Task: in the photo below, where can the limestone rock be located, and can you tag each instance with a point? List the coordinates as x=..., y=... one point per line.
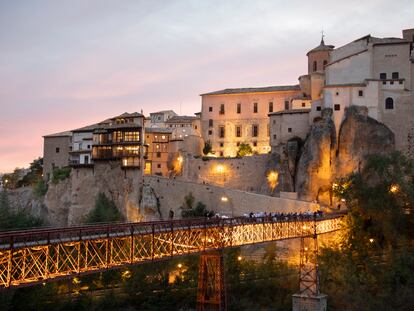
x=314, y=167
x=149, y=204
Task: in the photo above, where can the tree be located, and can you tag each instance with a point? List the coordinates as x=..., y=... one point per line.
x=371, y=267
x=244, y=150
x=104, y=210
x=207, y=147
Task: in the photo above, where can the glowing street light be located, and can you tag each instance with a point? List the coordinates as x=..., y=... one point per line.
x=179, y=266
x=394, y=188
x=371, y=240
x=224, y=199
x=239, y=258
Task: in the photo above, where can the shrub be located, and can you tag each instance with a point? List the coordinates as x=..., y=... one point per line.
x=199, y=211
x=40, y=188
x=60, y=174
x=244, y=150
x=207, y=147
x=104, y=210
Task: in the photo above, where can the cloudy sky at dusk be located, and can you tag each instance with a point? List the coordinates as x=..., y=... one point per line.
x=65, y=64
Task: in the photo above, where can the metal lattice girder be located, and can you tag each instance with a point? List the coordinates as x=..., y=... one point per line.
x=32, y=256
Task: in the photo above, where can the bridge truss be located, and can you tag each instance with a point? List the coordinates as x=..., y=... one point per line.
x=35, y=256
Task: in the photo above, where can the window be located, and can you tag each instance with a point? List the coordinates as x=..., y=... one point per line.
x=159, y=165
x=389, y=103
x=314, y=65
x=57, y=149
x=221, y=109
x=131, y=136
x=325, y=62
x=255, y=131
x=360, y=93
x=221, y=132
x=210, y=122
x=274, y=136
x=238, y=131
x=337, y=107
x=158, y=154
x=238, y=108
x=221, y=144
x=318, y=108
x=286, y=105
x=238, y=144
x=337, y=93
x=210, y=132
x=255, y=144
x=270, y=106
x=221, y=154
x=303, y=104
x=255, y=107
x=210, y=109
x=383, y=76
x=395, y=75
x=289, y=130
x=391, y=82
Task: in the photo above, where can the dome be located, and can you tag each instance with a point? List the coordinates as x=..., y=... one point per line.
x=321, y=47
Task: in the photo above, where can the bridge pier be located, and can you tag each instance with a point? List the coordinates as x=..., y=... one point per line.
x=211, y=292
x=309, y=297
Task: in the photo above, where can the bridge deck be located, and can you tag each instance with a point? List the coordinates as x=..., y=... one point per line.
x=33, y=256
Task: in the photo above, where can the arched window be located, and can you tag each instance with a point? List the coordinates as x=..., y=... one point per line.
x=314, y=66
x=389, y=103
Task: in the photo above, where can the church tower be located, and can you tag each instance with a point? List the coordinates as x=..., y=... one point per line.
x=319, y=57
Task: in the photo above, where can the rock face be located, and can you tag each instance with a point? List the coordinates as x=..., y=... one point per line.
x=71, y=199
x=325, y=158
x=314, y=169
x=150, y=204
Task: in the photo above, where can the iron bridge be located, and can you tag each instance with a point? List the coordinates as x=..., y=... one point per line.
x=38, y=255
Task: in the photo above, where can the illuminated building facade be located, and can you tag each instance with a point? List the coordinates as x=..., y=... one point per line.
x=120, y=139
x=157, y=141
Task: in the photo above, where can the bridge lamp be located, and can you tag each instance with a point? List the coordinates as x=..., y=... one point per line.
x=179, y=266
x=305, y=227
x=76, y=281
x=239, y=258
x=126, y=274
x=394, y=188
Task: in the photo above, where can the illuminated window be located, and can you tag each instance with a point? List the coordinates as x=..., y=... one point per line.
x=270, y=106
x=255, y=108
x=117, y=135
x=255, y=130
x=238, y=131
x=238, y=108
x=132, y=136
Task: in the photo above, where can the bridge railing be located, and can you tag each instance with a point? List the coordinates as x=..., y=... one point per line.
x=32, y=256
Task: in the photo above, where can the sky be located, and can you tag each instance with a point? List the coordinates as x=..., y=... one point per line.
x=65, y=64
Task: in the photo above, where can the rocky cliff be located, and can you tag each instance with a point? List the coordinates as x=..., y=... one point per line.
x=325, y=157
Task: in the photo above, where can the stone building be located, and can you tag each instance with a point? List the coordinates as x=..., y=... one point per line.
x=184, y=126
x=56, y=148
x=377, y=73
x=288, y=124
x=159, y=118
x=233, y=116
x=157, y=141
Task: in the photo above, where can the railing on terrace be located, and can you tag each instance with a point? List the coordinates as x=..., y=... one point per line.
x=37, y=255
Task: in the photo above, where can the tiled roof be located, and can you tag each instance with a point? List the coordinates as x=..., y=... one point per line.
x=129, y=115
x=61, y=134
x=177, y=119
x=266, y=89
x=158, y=130
x=321, y=47
x=163, y=111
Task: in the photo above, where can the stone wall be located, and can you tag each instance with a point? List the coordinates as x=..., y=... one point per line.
x=171, y=194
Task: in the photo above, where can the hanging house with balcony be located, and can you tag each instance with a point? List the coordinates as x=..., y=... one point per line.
x=120, y=139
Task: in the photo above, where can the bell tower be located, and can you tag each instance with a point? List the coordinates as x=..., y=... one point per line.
x=319, y=57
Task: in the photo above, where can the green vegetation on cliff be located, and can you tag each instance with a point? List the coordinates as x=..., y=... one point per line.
x=104, y=210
